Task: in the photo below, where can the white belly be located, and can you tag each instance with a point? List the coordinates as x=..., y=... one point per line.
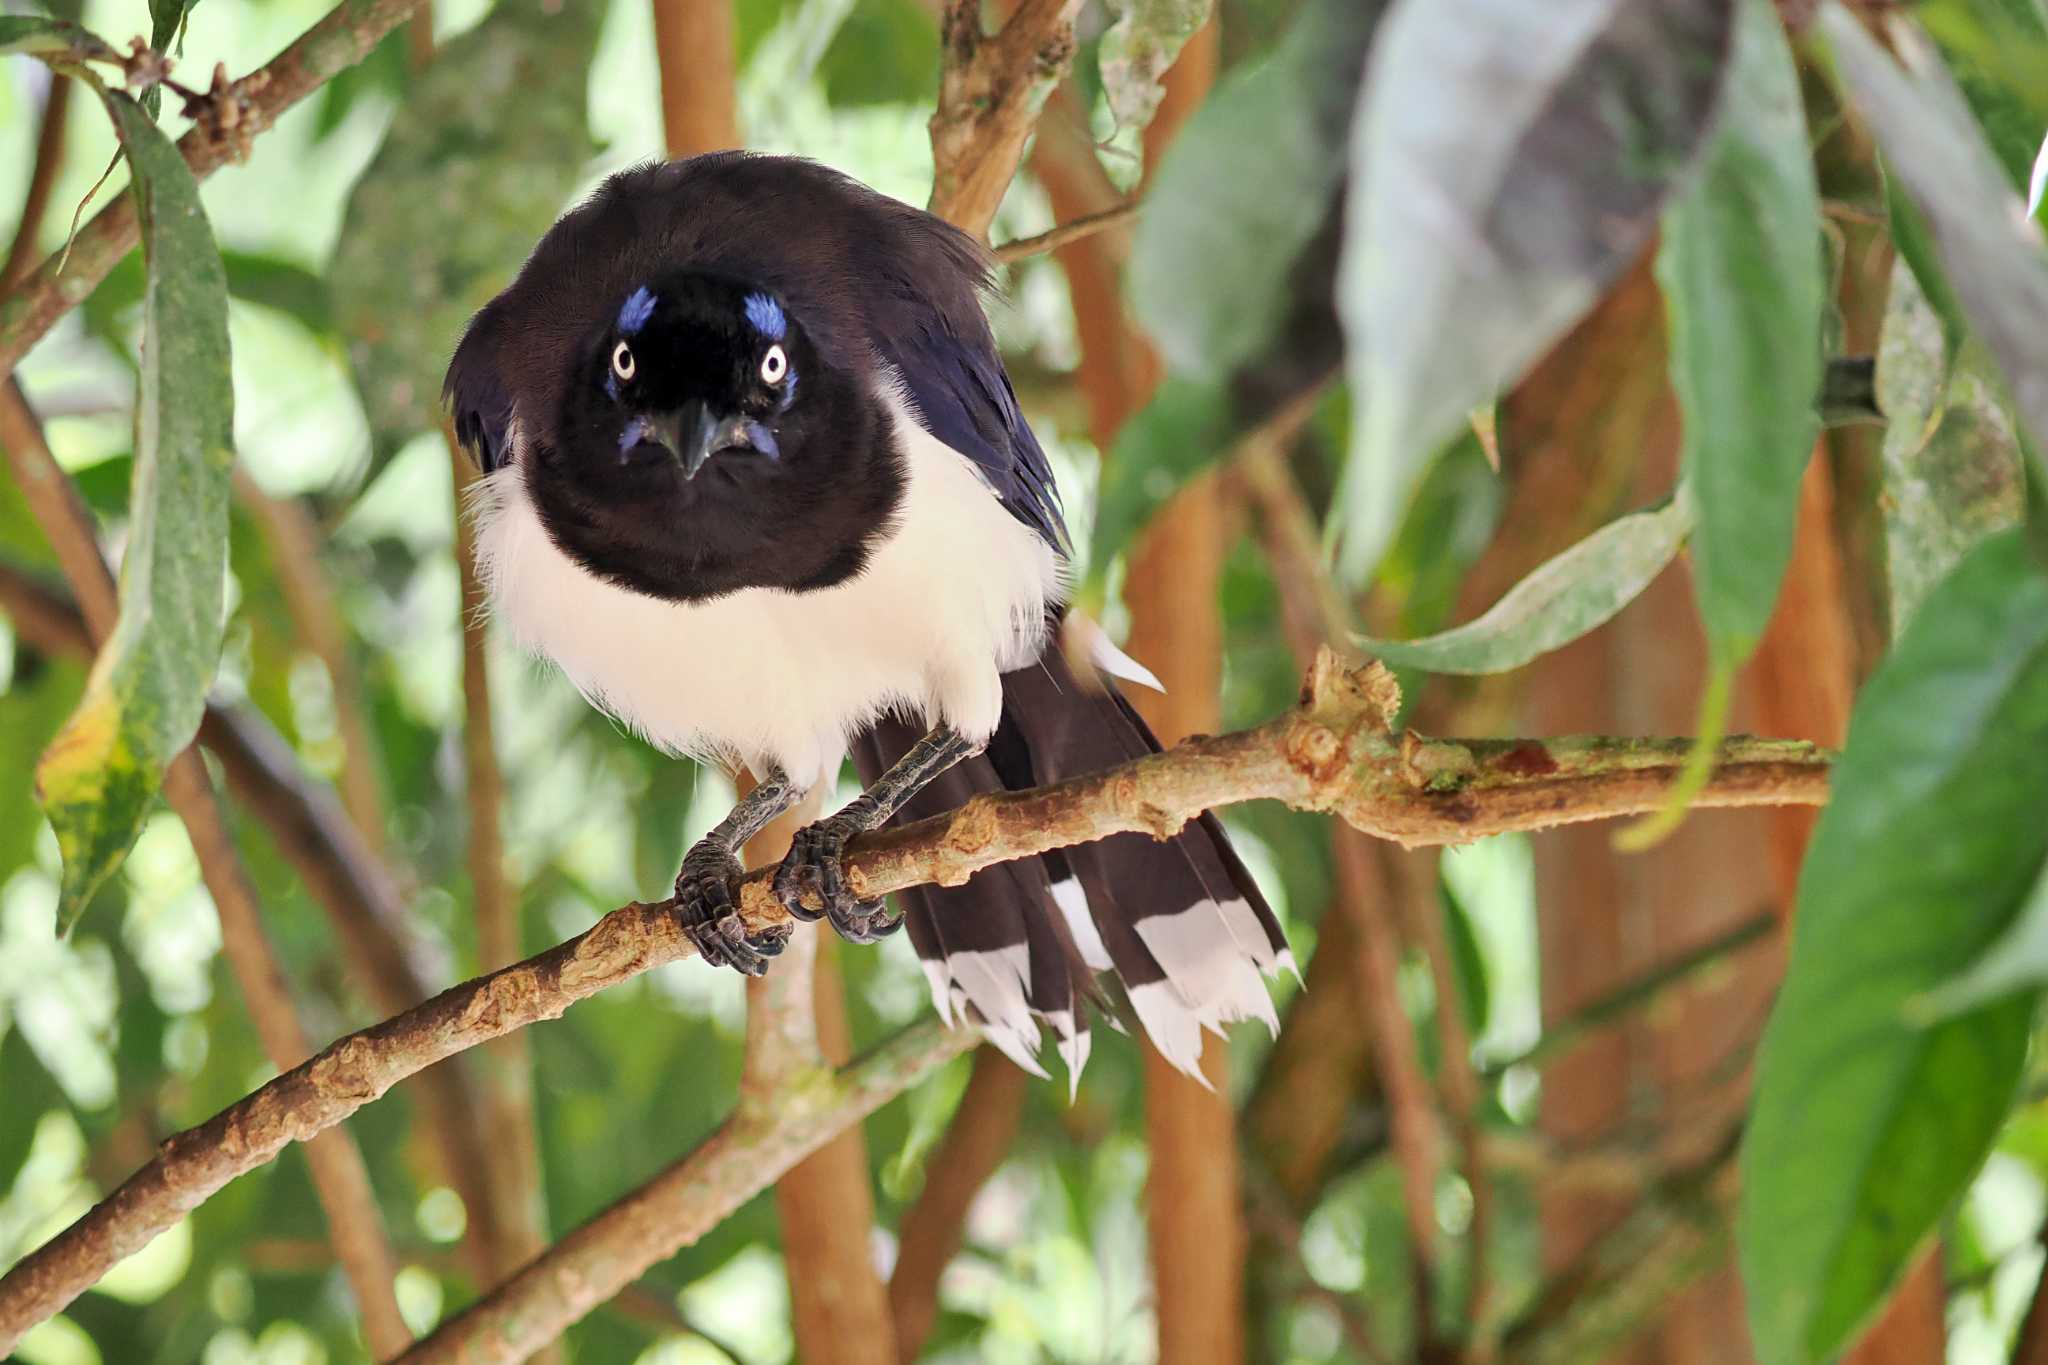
x=955, y=597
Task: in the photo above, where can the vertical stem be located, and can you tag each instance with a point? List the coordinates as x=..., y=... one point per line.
x=21, y=254
x=340, y=1179
x=513, y=1157
x=693, y=40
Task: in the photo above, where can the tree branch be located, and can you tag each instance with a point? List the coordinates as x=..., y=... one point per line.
x=1076, y=230
x=42, y=180
x=340, y=40
x=990, y=91
x=1332, y=753
x=340, y=1179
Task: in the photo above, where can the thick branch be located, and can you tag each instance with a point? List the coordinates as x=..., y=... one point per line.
x=990, y=92
x=1331, y=753
x=331, y=46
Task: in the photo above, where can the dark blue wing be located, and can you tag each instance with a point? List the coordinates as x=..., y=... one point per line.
x=965, y=399
x=476, y=394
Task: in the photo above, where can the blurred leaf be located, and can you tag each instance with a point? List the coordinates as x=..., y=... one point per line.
x=1184, y=428
x=387, y=71
x=148, y=687
x=1916, y=247
x=38, y=36
x=1250, y=180
x=2017, y=961
x=886, y=52
x=1953, y=470
x=1508, y=162
x=1865, y=1128
x=166, y=17
x=1468, y=961
x=1138, y=49
x=1744, y=283
x=30, y=1094
x=477, y=165
x=44, y=691
x=1997, y=50
x=1559, y=601
x=1988, y=249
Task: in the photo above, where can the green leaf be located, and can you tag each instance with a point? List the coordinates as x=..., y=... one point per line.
x=1745, y=284
x=1559, y=601
x=479, y=162
x=1952, y=468
x=886, y=52
x=147, y=689
x=1182, y=429
x=1990, y=252
x=43, y=693
x=1916, y=247
x=1866, y=1128
x=2017, y=961
x=40, y=37
x=1997, y=50
x=1138, y=49
x=1252, y=179
x=1508, y=161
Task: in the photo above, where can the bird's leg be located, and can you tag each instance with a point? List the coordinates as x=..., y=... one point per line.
x=707, y=888
x=813, y=862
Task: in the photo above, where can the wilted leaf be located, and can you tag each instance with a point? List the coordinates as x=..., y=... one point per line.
x=1952, y=463
x=1744, y=285
x=1989, y=250
x=1251, y=180
x=1866, y=1128
x=147, y=689
x=1138, y=49
x=1508, y=161
x=1557, y=603
x=478, y=163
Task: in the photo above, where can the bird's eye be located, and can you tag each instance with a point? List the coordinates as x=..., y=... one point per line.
x=623, y=364
x=774, y=366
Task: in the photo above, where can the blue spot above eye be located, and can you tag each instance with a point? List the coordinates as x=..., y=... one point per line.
x=638, y=307
x=766, y=316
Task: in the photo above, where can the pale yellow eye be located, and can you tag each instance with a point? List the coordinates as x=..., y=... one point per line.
x=623, y=364
x=774, y=365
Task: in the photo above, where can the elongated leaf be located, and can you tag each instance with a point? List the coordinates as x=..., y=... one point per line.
x=1509, y=160
x=1247, y=186
x=1137, y=50
x=147, y=689
x=1997, y=50
x=2017, y=962
x=1744, y=283
x=1953, y=471
x=1865, y=1127
x=40, y=37
x=1561, y=600
x=1990, y=251
x=478, y=163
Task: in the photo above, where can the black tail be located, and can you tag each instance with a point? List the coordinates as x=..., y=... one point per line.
x=1179, y=923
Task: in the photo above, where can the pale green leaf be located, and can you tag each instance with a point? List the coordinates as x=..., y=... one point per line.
x=1138, y=49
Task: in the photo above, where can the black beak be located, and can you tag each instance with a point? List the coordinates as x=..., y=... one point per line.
x=694, y=433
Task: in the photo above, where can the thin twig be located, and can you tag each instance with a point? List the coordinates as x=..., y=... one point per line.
x=340, y=1179
x=513, y=1165
x=1079, y=229
x=338, y=41
x=1330, y=754
x=42, y=181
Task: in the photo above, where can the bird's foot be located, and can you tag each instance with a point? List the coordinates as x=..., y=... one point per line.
x=813, y=867
x=707, y=903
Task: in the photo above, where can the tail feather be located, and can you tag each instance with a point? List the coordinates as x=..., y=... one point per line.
x=1178, y=924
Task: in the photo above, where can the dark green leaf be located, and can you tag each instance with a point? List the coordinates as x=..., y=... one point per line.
x=1559, y=601
x=42, y=695
x=1916, y=247
x=1138, y=49
x=1866, y=1128
x=1184, y=428
x=1997, y=51
x=1508, y=162
x=886, y=52
x=1250, y=180
x=478, y=163
x=1988, y=249
x=148, y=687
x=1745, y=283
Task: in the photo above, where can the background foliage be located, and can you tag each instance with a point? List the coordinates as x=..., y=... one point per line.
x=1641, y=365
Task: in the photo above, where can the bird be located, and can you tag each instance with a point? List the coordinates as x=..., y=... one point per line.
x=754, y=479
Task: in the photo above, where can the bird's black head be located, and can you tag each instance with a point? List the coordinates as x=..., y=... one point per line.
x=704, y=444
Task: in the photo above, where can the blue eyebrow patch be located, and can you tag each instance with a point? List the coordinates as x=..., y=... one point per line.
x=634, y=312
x=766, y=316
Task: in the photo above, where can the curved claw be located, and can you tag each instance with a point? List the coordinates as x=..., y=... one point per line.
x=812, y=867
x=709, y=910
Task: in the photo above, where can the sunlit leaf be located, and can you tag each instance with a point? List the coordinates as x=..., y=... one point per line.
x=1744, y=285
x=147, y=689
x=1865, y=1126
x=1952, y=464
x=480, y=160
x=1248, y=184
x=1509, y=159
x=1138, y=49
x=1557, y=603
x=1989, y=250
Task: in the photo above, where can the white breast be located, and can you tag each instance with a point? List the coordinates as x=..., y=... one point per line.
x=955, y=597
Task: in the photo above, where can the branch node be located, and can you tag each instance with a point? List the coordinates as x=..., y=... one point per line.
x=1436, y=766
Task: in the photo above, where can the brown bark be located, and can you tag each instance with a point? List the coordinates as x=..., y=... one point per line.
x=930, y=1232
x=990, y=91
x=694, y=42
x=42, y=181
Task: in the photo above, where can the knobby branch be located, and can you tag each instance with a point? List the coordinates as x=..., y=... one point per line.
x=1334, y=752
